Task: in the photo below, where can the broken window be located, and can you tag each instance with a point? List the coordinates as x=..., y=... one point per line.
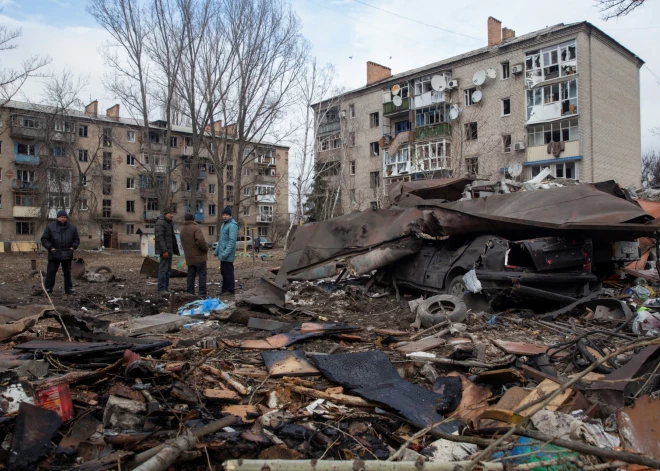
x=130, y=160
x=552, y=62
x=107, y=185
x=130, y=229
x=506, y=106
x=467, y=95
x=433, y=156
x=352, y=167
x=374, y=149
x=351, y=138
x=83, y=156
x=335, y=142
x=107, y=137
x=107, y=161
x=106, y=208
x=351, y=111
x=429, y=115
x=506, y=71
x=559, y=170
x=83, y=206
x=471, y=133
x=401, y=126
x=325, y=144
x=374, y=179
x=506, y=143
x=374, y=204
x=373, y=119
x=82, y=131
x=542, y=134
x=130, y=183
x=565, y=93
x=398, y=163
x=230, y=173
x=472, y=165
x=423, y=85
x=130, y=206
x=174, y=141
x=130, y=136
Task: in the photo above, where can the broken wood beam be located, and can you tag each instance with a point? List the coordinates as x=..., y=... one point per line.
x=240, y=388
x=154, y=460
x=336, y=398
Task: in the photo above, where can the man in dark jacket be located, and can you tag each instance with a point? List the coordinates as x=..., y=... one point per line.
x=166, y=247
x=196, y=251
x=60, y=239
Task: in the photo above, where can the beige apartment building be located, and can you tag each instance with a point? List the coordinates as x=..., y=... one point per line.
x=566, y=98
x=43, y=154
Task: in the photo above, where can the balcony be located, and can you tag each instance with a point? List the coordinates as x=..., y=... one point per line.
x=199, y=217
x=155, y=147
x=24, y=159
x=265, y=179
x=539, y=153
x=151, y=215
x=270, y=199
x=187, y=172
x=327, y=128
x=201, y=193
x=433, y=131
x=391, y=109
x=264, y=218
x=24, y=186
x=63, y=136
x=147, y=192
x=26, y=211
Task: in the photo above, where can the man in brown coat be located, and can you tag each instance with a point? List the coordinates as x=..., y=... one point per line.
x=195, y=250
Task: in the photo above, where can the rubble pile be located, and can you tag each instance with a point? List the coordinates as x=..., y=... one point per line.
x=502, y=333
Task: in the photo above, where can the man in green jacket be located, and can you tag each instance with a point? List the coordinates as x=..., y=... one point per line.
x=226, y=251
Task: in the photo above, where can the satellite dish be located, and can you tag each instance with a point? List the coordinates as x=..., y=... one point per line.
x=438, y=83
x=453, y=112
x=395, y=89
x=479, y=77
x=515, y=169
x=491, y=73
x=477, y=96
x=397, y=100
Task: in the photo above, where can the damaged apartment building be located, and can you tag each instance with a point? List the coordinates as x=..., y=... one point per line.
x=566, y=97
x=96, y=166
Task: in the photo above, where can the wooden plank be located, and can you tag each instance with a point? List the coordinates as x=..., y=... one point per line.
x=544, y=389
x=422, y=345
x=158, y=324
x=520, y=348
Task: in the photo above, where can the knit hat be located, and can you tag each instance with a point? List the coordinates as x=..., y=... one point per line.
x=227, y=210
x=61, y=213
x=169, y=210
x=189, y=217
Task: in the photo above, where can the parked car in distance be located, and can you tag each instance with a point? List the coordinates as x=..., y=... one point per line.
x=240, y=243
x=555, y=269
x=266, y=243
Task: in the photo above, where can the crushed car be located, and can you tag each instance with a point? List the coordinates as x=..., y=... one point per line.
x=556, y=269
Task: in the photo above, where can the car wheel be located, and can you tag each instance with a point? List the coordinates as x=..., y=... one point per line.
x=439, y=308
x=457, y=287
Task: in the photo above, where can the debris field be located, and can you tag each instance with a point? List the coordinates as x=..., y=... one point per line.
x=471, y=325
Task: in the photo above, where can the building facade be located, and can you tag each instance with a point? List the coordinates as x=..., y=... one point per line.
x=97, y=167
x=566, y=97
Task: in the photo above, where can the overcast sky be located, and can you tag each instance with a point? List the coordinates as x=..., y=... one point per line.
x=341, y=29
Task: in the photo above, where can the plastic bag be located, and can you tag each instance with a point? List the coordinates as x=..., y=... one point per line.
x=646, y=323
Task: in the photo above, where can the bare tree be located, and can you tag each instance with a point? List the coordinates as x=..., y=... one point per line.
x=269, y=53
x=312, y=87
x=131, y=79
x=11, y=80
x=614, y=9
x=651, y=168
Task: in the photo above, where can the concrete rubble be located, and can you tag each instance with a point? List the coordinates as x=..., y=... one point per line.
x=502, y=325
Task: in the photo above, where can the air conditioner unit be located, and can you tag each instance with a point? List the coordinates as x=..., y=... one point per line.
x=517, y=69
x=343, y=113
x=452, y=84
x=518, y=146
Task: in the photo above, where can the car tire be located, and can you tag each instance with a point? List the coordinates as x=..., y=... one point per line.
x=457, y=287
x=103, y=269
x=439, y=308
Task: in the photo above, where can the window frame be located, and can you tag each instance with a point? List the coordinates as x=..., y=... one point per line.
x=502, y=107
x=374, y=119
x=352, y=167
x=130, y=136
x=470, y=133
x=472, y=163
x=130, y=206
x=467, y=95
x=506, y=137
x=505, y=66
